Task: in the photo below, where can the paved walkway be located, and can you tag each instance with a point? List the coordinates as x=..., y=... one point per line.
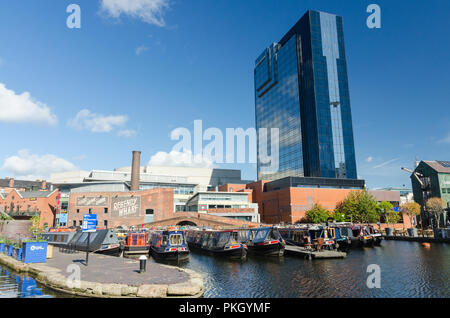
x=116, y=270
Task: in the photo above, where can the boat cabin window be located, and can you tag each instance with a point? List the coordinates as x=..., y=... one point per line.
x=243, y=236
x=176, y=239
x=164, y=240
x=274, y=235
x=261, y=235
x=223, y=239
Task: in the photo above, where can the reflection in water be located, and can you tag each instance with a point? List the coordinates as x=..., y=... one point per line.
x=407, y=270
x=16, y=286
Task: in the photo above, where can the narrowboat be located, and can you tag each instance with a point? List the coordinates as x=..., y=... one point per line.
x=342, y=236
x=224, y=243
x=59, y=237
x=377, y=237
x=264, y=241
x=102, y=242
x=169, y=245
x=314, y=237
x=360, y=237
x=136, y=243
x=322, y=237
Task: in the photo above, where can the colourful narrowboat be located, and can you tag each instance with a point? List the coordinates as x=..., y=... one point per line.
x=169, y=245
x=136, y=243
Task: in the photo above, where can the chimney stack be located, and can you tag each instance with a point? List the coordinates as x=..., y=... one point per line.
x=136, y=171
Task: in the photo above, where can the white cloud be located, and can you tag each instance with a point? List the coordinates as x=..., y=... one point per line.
x=29, y=166
x=386, y=163
x=141, y=49
x=126, y=133
x=149, y=11
x=96, y=123
x=15, y=108
x=180, y=159
x=370, y=159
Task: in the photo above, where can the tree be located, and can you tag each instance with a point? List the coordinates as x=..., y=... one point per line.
x=411, y=209
x=317, y=214
x=338, y=217
x=436, y=206
x=36, y=229
x=392, y=217
x=359, y=206
x=383, y=208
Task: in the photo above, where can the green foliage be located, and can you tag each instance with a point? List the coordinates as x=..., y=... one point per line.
x=338, y=217
x=359, y=206
x=392, y=217
x=384, y=207
x=317, y=214
x=5, y=217
x=36, y=229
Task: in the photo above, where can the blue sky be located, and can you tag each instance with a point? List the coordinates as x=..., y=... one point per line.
x=132, y=77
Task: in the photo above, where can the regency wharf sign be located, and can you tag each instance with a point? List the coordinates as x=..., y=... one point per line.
x=126, y=206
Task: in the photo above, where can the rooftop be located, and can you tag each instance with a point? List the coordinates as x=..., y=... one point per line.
x=439, y=166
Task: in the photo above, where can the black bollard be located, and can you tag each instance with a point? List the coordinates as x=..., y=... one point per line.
x=143, y=264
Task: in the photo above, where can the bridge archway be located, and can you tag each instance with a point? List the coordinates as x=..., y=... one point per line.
x=186, y=223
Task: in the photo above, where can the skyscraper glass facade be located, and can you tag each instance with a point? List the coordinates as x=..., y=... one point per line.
x=301, y=88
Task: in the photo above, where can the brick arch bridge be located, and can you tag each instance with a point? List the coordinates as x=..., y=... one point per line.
x=202, y=219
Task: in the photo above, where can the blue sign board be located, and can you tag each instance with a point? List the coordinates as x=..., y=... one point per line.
x=89, y=222
x=63, y=218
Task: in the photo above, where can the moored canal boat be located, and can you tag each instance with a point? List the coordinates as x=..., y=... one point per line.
x=264, y=241
x=59, y=237
x=360, y=237
x=219, y=243
x=342, y=236
x=169, y=245
x=102, y=241
x=136, y=243
x=377, y=236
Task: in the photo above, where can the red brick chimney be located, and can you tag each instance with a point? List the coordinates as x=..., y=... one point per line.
x=136, y=171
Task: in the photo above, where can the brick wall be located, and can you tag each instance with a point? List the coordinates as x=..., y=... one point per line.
x=158, y=200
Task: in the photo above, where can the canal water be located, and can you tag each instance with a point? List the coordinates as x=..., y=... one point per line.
x=407, y=270
x=14, y=285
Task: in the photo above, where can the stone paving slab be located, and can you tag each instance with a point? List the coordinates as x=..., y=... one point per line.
x=116, y=270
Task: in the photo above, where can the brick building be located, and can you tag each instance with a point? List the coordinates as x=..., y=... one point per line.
x=113, y=209
x=8, y=184
x=23, y=205
x=287, y=200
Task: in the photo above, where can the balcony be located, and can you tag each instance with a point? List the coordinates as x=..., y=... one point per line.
x=23, y=213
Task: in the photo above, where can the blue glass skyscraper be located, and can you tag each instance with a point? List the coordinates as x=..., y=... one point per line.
x=301, y=88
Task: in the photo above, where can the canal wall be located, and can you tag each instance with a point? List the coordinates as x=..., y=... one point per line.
x=15, y=229
x=55, y=279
